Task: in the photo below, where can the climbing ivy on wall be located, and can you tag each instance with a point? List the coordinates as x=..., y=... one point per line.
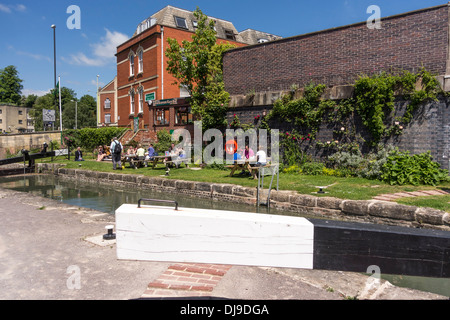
x=373, y=101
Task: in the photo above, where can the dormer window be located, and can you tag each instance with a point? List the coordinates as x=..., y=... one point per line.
x=229, y=34
x=262, y=40
x=195, y=24
x=180, y=22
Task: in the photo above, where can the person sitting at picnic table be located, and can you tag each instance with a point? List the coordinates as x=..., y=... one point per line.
x=248, y=152
x=151, y=152
x=171, y=154
x=261, y=158
x=140, y=153
x=237, y=156
x=130, y=151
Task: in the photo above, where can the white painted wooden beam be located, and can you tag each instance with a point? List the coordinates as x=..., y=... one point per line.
x=155, y=233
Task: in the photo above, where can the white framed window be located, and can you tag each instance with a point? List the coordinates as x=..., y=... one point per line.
x=141, y=100
x=107, y=118
x=140, y=61
x=262, y=40
x=131, y=102
x=184, y=92
x=107, y=103
x=131, y=57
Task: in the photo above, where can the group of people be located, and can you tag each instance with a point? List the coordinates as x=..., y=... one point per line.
x=174, y=154
x=260, y=159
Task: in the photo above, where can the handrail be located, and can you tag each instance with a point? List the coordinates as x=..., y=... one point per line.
x=158, y=200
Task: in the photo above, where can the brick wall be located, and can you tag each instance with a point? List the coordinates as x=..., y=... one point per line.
x=337, y=56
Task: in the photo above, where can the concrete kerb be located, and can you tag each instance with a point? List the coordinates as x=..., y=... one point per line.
x=328, y=207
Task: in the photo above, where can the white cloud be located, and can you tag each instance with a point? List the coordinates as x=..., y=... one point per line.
x=10, y=8
x=94, y=83
x=106, y=48
x=34, y=56
x=5, y=8
x=21, y=7
x=81, y=59
x=39, y=93
x=103, y=51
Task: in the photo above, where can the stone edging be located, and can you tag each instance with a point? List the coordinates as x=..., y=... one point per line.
x=374, y=211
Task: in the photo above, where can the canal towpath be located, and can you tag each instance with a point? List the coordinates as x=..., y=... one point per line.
x=54, y=251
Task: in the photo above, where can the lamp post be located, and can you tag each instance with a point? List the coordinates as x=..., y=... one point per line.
x=54, y=66
x=76, y=114
x=98, y=104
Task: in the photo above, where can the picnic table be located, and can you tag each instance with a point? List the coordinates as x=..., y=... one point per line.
x=246, y=166
x=133, y=160
x=156, y=159
x=169, y=160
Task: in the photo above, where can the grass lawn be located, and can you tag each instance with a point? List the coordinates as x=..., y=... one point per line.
x=436, y=202
x=343, y=188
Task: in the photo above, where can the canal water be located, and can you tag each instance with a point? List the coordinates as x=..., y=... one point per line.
x=107, y=199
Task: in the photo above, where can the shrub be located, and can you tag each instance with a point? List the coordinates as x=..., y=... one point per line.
x=401, y=168
x=293, y=169
x=347, y=162
x=164, y=141
x=376, y=160
x=312, y=168
x=91, y=138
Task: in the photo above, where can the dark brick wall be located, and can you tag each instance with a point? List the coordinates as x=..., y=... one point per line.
x=337, y=56
x=428, y=131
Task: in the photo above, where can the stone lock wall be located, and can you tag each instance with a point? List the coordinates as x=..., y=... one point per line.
x=371, y=211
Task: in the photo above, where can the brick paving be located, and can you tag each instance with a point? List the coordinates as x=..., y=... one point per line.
x=395, y=196
x=186, y=280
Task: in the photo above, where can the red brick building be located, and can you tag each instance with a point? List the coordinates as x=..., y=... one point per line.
x=337, y=56
x=142, y=95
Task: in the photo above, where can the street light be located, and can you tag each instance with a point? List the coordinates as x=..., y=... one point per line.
x=54, y=64
x=76, y=114
x=98, y=104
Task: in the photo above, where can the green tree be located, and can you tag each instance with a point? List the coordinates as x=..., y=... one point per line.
x=10, y=85
x=28, y=101
x=48, y=102
x=85, y=110
x=44, y=102
x=197, y=66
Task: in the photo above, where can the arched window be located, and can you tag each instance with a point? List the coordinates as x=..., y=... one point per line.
x=141, y=99
x=131, y=58
x=140, y=55
x=131, y=101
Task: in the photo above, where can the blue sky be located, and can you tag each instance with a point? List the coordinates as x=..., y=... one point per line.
x=26, y=39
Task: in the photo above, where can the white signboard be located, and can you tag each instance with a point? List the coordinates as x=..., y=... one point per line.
x=48, y=115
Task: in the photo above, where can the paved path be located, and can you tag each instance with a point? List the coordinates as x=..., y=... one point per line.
x=395, y=196
x=53, y=251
